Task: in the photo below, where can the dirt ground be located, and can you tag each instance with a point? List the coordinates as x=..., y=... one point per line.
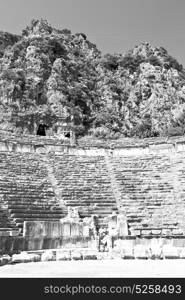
x=97, y=268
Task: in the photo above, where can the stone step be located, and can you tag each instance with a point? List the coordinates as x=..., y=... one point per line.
x=20, y=221
x=38, y=216
x=99, y=202
x=36, y=207
x=35, y=210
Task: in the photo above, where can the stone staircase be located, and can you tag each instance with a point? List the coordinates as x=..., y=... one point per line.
x=150, y=188
x=50, y=171
x=83, y=182
x=114, y=183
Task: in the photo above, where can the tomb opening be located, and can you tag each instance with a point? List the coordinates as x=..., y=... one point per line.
x=42, y=129
x=67, y=135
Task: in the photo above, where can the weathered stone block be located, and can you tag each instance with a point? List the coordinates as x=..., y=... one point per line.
x=89, y=254
x=34, y=244
x=19, y=244
x=52, y=229
x=76, y=255
x=1, y=262
x=141, y=252
x=166, y=232
x=75, y=229
x=182, y=253
x=39, y=229
x=177, y=232
x=85, y=231
x=145, y=232
x=48, y=255
x=34, y=257
x=4, y=233
x=50, y=243
x=117, y=245
x=156, y=232
x=63, y=255
x=135, y=232
x=155, y=252
x=5, y=259
x=179, y=242
x=101, y=255
x=170, y=252
x=122, y=225
x=6, y=244
x=66, y=229
x=125, y=248
x=128, y=253
x=92, y=244
x=14, y=232
x=23, y=257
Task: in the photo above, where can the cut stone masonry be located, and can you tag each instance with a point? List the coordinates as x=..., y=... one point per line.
x=51, y=177
x=114, y=184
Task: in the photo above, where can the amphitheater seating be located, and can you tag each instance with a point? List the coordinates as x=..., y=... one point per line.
x=26, y=190
x=26, y=139
x=91, y=142
x=84, y=182
x=5, y=220
x=152, y=187
x=153, y=191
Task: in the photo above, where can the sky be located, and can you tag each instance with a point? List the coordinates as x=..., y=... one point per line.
x=115, y=26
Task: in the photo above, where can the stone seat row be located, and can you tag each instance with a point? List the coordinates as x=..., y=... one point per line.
x=29, y=196
x=148, y=184
x=84, y=182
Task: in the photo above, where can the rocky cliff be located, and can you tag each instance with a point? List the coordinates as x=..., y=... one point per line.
x=7, y=40
x=47, y=74
x=145, y=92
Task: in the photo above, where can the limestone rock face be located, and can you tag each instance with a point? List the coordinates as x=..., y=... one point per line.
x=42, y=73
x=37, y=27
x=7, y=39
x=48, y=75
x=144, y=94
